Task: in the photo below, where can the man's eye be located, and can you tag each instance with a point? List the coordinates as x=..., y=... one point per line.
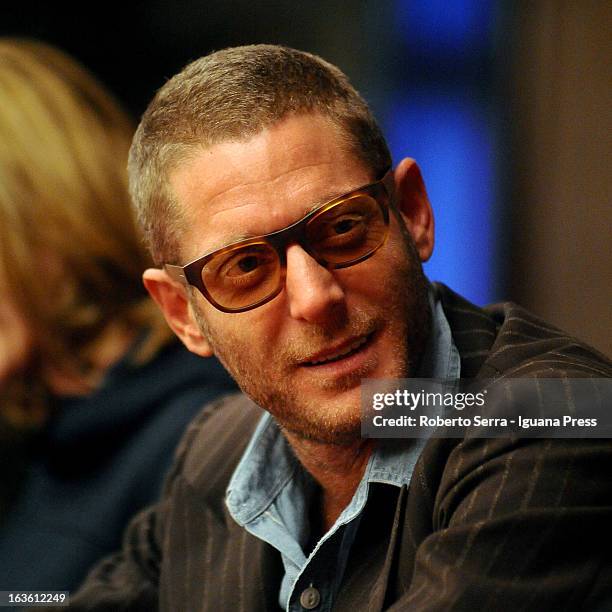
x=343, y=228
x=242, y=265
x=245, y=264
x=344, y=225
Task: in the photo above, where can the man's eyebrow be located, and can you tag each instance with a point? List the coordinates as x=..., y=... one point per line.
x=232, y=239
x=330, y=196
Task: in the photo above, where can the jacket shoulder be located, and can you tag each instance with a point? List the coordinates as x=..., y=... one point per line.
x=214, y=443
x=506, y=340
x=527, y=346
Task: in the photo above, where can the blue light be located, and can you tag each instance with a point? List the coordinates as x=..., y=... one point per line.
x=444, y=26
x=453, y=145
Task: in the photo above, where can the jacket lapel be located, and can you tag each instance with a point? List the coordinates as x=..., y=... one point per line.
x=259, y=574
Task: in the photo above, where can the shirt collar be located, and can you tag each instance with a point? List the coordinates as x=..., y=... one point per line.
x=441, y=357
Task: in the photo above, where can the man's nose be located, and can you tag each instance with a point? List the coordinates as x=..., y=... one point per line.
x=312, y=290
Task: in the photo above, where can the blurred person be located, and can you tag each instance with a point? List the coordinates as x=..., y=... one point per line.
x=94, y=388
x=288, y=245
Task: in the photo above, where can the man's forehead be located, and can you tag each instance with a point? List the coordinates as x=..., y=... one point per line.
x=238, y=188
x=301, y=136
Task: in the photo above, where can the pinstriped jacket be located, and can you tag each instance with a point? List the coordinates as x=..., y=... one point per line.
x=486, y=524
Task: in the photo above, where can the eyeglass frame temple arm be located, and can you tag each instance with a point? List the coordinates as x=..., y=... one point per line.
x=176, y=273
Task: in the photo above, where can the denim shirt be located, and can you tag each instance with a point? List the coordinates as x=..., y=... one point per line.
x=270, y=492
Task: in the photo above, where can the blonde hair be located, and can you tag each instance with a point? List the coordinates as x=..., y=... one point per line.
x=231, y=95
x=69, y=250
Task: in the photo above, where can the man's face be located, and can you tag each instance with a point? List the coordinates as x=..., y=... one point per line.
x=303, y=354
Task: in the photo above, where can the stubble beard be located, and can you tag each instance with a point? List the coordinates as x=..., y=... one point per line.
x=408, y=318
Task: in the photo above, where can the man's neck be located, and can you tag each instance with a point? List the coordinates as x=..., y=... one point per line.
x=337, y=468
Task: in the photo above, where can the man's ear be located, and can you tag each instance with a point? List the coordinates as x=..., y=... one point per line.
x=171, y=297
x=413, y=204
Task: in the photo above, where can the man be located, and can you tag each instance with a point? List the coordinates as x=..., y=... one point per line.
x=289, y=249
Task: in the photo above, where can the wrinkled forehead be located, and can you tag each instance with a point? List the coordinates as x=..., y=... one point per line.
x=238, y=189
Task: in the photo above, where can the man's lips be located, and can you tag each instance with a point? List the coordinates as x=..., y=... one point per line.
x=338, y=352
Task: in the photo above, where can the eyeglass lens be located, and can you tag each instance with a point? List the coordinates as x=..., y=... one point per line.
x=338, y=236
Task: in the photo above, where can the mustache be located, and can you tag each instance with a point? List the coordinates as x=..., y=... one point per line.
x=317, y=338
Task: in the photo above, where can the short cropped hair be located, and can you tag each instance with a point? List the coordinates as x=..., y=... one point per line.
x=233, y=94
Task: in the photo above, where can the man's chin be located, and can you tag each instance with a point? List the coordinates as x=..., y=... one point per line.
x=338, y=431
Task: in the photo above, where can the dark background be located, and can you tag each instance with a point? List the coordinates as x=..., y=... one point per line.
x=505, y=105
